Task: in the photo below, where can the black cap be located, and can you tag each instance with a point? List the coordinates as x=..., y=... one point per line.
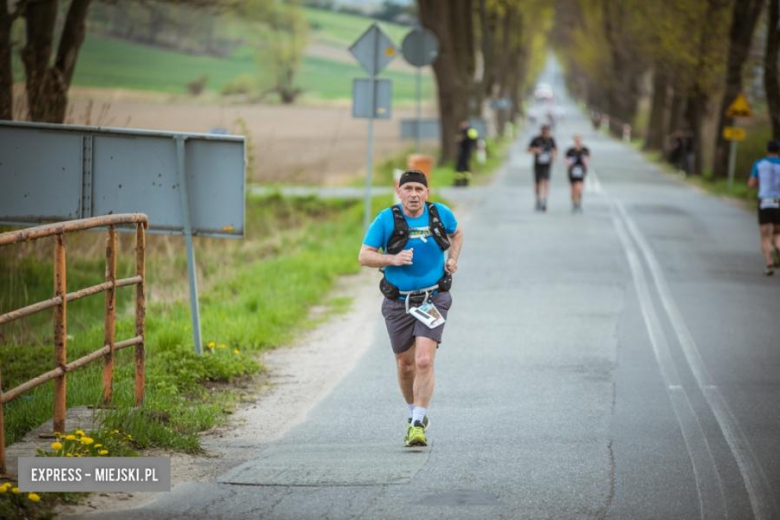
x=773, y=146
x=413, y=176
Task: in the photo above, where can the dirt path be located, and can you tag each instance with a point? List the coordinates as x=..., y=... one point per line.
x=299, y=144
x=297, y=378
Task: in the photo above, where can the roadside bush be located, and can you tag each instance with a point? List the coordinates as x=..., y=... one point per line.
x=243, y=84
x=197, y=85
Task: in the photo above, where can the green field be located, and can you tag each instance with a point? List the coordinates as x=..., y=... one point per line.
x=111, y=63
x=343, y=29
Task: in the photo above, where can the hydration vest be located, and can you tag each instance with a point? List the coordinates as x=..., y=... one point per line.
x=400, y=237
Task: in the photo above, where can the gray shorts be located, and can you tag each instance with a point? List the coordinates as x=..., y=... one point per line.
x=403, y=327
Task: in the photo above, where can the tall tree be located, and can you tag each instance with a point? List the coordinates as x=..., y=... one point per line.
x=744, y=18
x=453, y=24
x=771, y=74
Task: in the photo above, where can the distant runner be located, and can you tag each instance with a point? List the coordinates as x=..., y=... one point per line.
x=766, y=176
x=467, y=140
x=577, y=158
x=416, y=284
x=544, y=149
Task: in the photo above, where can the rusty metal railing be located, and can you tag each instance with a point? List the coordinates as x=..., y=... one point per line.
x=60, y=302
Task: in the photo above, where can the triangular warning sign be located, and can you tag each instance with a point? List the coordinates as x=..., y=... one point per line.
x=739, y=107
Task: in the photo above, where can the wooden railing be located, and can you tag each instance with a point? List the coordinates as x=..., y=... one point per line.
x=60, y=302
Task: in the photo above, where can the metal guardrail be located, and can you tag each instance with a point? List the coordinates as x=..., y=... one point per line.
x=60, y=301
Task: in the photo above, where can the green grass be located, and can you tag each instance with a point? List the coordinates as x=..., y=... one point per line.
x=109, y=63
x=343, y=29
x=255, y=295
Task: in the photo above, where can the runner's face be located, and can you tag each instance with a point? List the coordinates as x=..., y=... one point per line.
x=413, y=195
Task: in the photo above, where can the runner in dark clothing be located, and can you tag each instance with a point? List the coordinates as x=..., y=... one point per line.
x=544, y=149
x=577, y=158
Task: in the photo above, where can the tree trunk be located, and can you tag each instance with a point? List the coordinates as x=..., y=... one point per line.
x=656, y=128
x=771, y=75
x=37, y=53
x=743, y=23
x=694, y=114
x=47, y=87
x=451, y=22
x=6, y=72
x=676, y=113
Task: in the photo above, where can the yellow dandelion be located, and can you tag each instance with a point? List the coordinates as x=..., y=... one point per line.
x=98, y=445
x=236, y=351
x=87, y=440
x=103, y=452
x=68, y=454
x=56, y=445
x=115, y=431
x=70, y=437
x=4, y=487
x=129, y=437
x=79, y=432
x=15, y=490
x=211, y=344
x=34, y=497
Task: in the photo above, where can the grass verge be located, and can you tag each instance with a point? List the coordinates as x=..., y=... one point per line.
x=255, y=294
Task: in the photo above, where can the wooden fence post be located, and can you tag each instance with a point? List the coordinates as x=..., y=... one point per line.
x=110, y=315
x=60, y=333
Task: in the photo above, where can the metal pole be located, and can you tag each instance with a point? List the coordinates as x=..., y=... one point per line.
x=419, y=101
x=369, y=156
x=185, y=210
x=732, y=162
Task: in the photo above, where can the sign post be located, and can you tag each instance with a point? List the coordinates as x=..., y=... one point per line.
x=420, y=48
x=373, y=50
x=738, y=108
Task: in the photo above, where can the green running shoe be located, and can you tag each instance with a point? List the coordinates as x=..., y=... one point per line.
x=415, y=435
x=425, y=422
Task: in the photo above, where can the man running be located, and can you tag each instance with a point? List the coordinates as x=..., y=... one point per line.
x=544, y=150
x=766, y=176
x=577, y=158
x=413, y=236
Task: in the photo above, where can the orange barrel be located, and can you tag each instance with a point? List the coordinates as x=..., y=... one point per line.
x=422, y=162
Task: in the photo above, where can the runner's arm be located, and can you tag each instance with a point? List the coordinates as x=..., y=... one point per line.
x=456, y=242
x=371, y=257
x=753, y=178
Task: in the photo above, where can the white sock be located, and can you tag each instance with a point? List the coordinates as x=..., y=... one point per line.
x=418, y=414
x=411, y=409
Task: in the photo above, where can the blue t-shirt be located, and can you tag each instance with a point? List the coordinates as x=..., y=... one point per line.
x=428, y=260
x=767, y=171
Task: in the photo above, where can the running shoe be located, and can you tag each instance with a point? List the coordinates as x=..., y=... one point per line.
x=425, y=422
x=415, y=435
x=770, y=270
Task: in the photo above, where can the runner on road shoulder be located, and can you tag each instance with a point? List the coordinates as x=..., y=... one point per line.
x=414, y=236
x=577, y=159
x=766, y=176
x=544, y=149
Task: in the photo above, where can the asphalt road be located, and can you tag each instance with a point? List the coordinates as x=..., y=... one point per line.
x=619, y=363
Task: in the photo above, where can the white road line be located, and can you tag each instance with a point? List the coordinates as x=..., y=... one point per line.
x=592, y=183
x=761, y=499
x=709, y=485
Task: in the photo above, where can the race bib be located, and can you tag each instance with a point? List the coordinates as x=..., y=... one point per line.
x=769, y=204
x=577, y=171
x=428, y=314
x=544, y=158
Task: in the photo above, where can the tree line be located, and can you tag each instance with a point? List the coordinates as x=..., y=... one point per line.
x=488, y=50
x=691, y=56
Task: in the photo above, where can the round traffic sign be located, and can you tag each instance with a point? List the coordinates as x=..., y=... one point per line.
x=420, y=47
